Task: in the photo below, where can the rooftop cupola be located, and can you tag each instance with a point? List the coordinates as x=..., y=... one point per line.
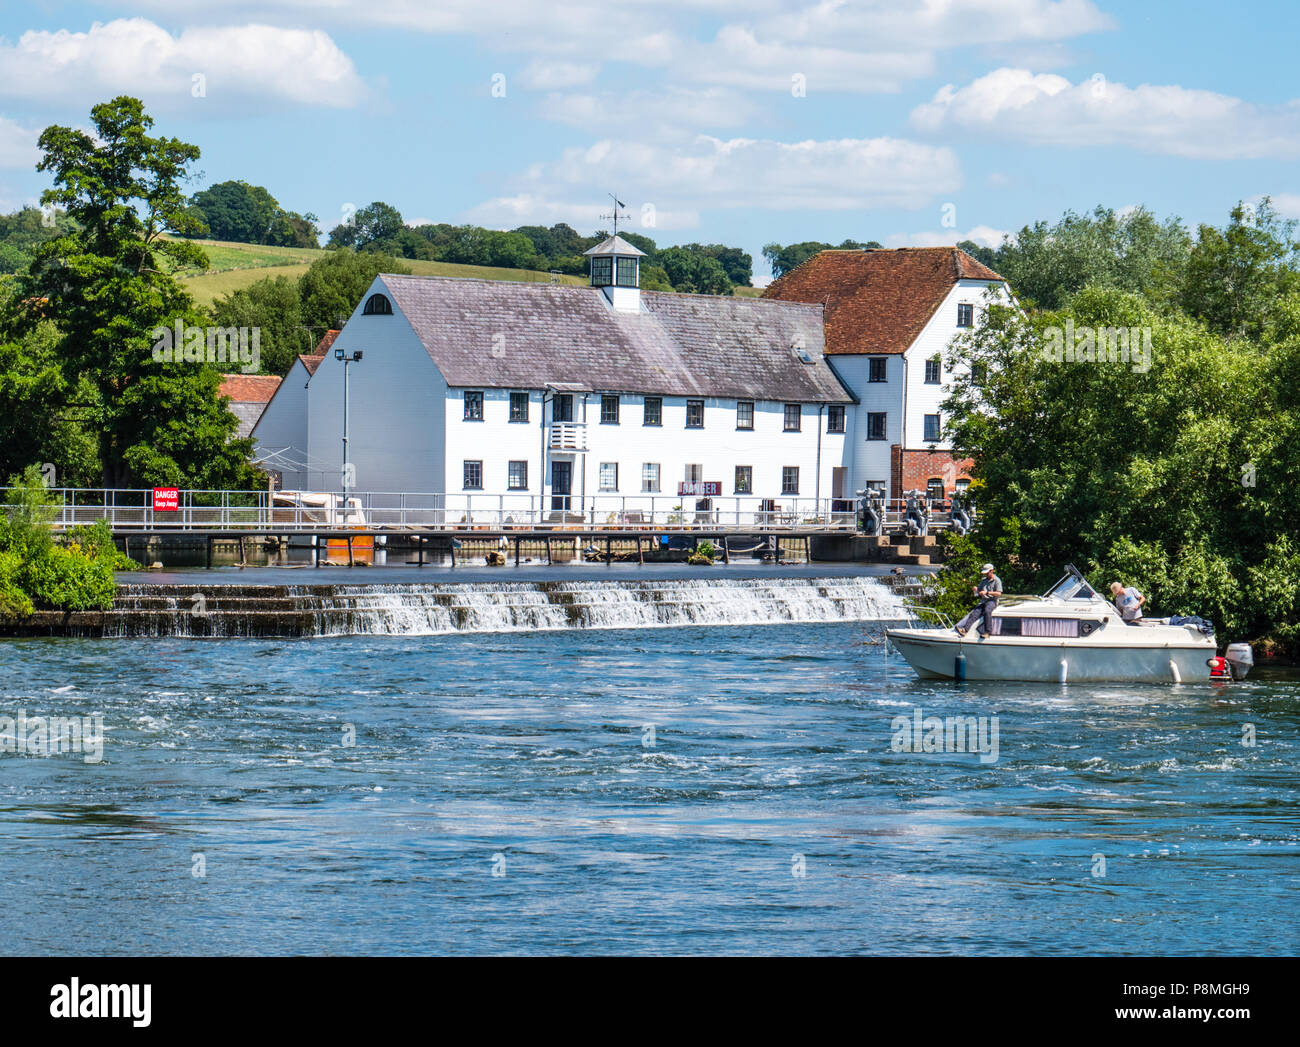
x=616, y=270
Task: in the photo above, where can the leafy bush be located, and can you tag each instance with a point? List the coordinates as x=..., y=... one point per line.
x=14, y=602
x=36, y=573
x=68, y=580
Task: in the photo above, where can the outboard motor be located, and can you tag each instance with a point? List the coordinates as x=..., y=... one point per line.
x=871, y=515
x=961, y=521
x=1240, y=659
x=917, y=516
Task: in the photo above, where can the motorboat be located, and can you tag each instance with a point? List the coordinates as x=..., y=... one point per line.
x=1070, y=633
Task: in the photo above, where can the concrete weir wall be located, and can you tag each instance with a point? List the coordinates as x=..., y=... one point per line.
x=489, y=603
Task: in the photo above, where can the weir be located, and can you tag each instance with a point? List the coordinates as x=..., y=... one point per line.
x=478, y=607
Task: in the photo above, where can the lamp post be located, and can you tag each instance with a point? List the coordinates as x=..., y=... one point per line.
x=354, y=357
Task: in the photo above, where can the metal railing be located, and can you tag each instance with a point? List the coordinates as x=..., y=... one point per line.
x=133, y=509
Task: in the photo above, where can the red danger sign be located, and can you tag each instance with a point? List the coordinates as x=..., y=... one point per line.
x=166, y=499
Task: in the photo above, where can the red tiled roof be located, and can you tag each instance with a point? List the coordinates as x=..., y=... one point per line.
x=326, y=341
x=312, y=360
x=249, y=388
x=878, y=301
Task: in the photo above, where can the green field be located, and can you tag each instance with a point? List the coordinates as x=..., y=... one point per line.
x=237, y=265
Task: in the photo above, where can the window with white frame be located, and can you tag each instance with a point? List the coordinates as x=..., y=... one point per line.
x=933, y=371
x=650, y=477
x=744, y=479
x=517, y=476
x=965, y=315
x=609, y=476
x=473, y=476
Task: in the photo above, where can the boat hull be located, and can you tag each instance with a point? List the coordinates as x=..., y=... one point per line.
x=934, y=653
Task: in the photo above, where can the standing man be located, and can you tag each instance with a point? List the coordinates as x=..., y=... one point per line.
x=988, y=590
x=1128, y=601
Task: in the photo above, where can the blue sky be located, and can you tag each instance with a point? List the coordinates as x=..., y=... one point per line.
x=907, y=123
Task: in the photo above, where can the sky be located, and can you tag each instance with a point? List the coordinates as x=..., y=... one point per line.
x=911, y=123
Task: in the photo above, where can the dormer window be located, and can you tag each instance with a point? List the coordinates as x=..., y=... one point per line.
x=602, y=271
x=377, y=305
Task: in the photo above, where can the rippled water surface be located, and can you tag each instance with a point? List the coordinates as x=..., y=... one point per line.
x=652, y=791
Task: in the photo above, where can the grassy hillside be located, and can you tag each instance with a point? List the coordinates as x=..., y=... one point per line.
x=237, y=265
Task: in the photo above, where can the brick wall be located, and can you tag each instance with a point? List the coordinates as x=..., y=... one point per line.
x=912, y=469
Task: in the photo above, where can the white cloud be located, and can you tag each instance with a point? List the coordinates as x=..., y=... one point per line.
x=242, y=65
x=1286, y=204
x=939, y=23
x=1043, y=109
x=984, y=235
x=864, y=46
x=651, y=113
x=17, y=145
x=506, y=212
x=738, y=58
x=679, y=179
x=555, y=76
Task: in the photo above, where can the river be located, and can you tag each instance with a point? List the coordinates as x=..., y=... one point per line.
x=730, y=788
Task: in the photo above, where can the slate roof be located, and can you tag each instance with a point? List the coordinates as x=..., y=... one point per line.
x=499, y=334
x=878, y=301
x=249, y=394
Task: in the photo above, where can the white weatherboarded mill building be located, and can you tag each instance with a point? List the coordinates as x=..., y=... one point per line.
x=506, y=402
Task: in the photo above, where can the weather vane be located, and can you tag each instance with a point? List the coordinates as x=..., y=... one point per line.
x=615, y=215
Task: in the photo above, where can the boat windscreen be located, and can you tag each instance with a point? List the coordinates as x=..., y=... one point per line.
x=1071, y=587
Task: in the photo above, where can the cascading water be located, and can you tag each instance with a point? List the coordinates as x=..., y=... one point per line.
x=481, y=607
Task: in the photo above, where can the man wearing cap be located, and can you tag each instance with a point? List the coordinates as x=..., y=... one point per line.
x=988, y=591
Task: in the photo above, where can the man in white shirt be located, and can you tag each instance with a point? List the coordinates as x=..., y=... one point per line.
x=1128, y=601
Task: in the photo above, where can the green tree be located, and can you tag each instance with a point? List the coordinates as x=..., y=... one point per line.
x=332, y=287
x=1235, y=274
x=692, y=272
x=1127, y=470
x=43, y=415
x=783, y=259
x=273, y=306
x=23, y=231
x=236, y=211
x=1047, y=263
x=376, y=227
x=109, y=288
x=248, y=214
